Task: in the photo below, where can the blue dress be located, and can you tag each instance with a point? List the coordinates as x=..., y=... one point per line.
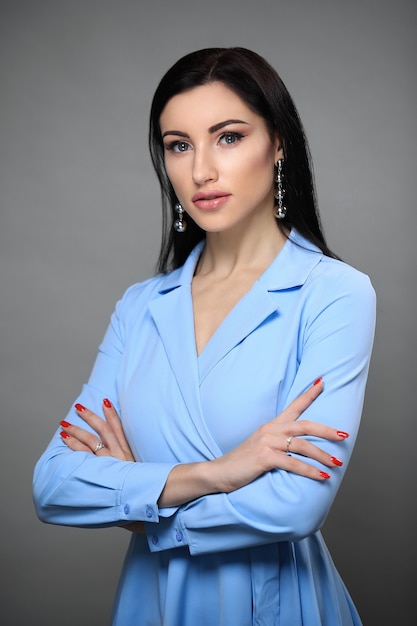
x=255, y=556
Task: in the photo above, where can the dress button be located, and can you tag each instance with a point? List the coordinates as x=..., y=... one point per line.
x=126, y=509
x=149, y=512
x=178, y=536
x=155, y=540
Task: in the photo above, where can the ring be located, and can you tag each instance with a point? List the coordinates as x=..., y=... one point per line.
x=289, y=439
x=99, y=446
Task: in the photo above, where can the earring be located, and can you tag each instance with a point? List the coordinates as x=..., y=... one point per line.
x=280, y=210
x=180, y=225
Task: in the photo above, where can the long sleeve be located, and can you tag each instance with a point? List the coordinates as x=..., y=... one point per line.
x=81, y=489
x=335, y=336
x=308, y=316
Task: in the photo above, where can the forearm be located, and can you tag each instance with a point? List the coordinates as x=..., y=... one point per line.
x=187, y=482
x=80, y=489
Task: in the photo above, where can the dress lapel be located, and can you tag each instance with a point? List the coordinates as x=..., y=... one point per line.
x=172, y=313
x=249, y=313
x=289, y=270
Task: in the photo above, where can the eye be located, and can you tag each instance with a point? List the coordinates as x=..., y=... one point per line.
x=178, y=146
x=230, y=138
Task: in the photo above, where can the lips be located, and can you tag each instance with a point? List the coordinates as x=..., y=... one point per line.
x=209, y=200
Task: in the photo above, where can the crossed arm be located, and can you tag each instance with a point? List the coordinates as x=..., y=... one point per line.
x=268, y=448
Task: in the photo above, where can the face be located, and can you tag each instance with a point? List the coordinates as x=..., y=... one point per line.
x=219, y=157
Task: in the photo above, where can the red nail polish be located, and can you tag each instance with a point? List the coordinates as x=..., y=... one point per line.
x=107, y=403
x=340, y=433
x=64, y=424
x=80, y=407
x=336, y=461
x=316, y=382
x=64, y=435
x=324, y=475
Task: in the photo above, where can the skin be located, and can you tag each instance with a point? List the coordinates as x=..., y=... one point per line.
x=214, y=144
x=220, y=160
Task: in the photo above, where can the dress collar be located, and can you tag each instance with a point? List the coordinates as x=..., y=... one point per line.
x=290, y=268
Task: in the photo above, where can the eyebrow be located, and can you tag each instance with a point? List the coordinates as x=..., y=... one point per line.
x=211, y=130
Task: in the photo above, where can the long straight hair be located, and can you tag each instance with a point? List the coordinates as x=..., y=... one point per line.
x=256, y=82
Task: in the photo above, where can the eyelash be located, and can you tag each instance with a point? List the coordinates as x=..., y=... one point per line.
x=231, y=134
x=172, y=147
x=174, y=144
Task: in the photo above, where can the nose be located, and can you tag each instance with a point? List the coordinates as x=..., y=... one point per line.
x=204, y=166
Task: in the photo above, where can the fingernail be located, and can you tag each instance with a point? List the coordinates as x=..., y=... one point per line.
x=65, y=424
x=107, y=403
x=80, y=407
x=336, y=461
x=316, y=382
x=64, y=435
x=324, y=475
x=340, y=433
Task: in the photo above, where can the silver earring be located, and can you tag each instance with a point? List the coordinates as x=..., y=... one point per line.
x=280, y=210
x=180, y=224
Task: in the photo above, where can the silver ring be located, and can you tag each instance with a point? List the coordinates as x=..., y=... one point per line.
x=289, y=439
x=99, y=446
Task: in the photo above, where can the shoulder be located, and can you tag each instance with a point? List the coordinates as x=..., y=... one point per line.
x=331, y=276
x=301, y=267
x=323, y=274
x=132, y=310
x=140, y=294
x=336, y=296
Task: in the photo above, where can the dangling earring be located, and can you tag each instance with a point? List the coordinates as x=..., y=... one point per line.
x=180, y=225
x=280, y=210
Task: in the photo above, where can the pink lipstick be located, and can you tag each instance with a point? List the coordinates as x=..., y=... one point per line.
x=210, y=200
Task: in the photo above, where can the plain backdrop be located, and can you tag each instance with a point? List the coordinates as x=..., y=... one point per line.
x=80, y=222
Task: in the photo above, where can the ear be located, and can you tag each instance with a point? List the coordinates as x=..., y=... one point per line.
x=278, y=149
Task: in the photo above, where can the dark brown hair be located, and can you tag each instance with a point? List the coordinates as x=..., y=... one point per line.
x=254, y=80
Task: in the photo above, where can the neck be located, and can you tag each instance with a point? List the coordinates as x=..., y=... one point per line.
x=227, y=252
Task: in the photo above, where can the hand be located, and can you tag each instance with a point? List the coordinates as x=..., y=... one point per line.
x=270, y=447
x=110, y=439
x=110, y=435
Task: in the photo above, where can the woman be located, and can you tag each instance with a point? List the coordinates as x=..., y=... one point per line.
x=226, y=396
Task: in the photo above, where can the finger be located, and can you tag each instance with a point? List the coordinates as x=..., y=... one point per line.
x=74, y=444
x=113, y=419
x=114, y=422
x=87, y=441
x=300, y=404
x=104, y=429
x=101, y=427
x=316, y=429
x=92, y=419
x=311, y=451
x=295, y=466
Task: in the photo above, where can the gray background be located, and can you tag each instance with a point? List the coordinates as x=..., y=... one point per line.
x=80, y=221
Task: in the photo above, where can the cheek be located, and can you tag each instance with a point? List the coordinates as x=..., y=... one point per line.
x=254, y=161
x=176, y=173
x=257, y=171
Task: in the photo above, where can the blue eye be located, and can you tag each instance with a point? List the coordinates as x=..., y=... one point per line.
x=178, y=146
x=230, y=138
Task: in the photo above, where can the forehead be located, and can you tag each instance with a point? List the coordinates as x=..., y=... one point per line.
x=205, y=105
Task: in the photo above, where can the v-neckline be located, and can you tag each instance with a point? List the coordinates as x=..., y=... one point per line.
x=223, y=322
x=234, y=307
